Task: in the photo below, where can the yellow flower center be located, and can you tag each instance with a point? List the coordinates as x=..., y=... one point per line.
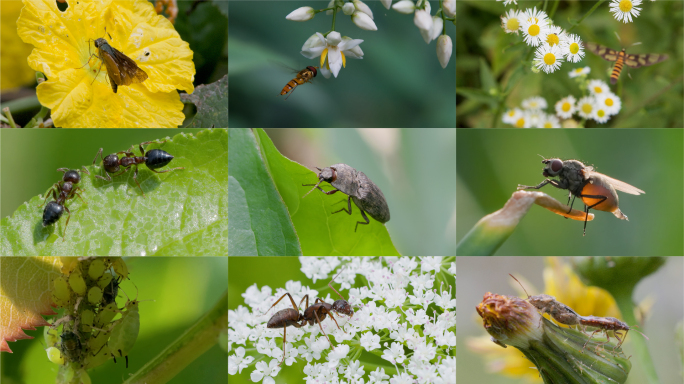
x=533, y=30
x=552, y=39
x=598, y=89
x=578, y=70
x=601, y=113
x=513, y=24
x=625, y=6
x=574, y=48
x=609, y=102
x=511, y=113
x=547, y=125
x=566, y=107
x=520, y=123
x=586, y=108
x=549, y=58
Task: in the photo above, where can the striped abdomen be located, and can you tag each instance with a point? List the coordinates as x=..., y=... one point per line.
x=304, y=76
x=619, y=63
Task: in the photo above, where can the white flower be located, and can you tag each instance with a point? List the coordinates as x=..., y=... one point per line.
x=435, y=31
x=533, y=118
x=521, y=122
x=548, y=58
x=549, y=121
x=610, y=102
x=579, y=72
x=378, y=376
x=334, y=47
x=363, y=21
x=512, y=115
x=534, y=103
x=395, y=354
x=348, y=9
x=600, y=115
x=422, y=20
x=361, y=6
x=556, y=35
x=623, y=10
x=565, y=107
x=370, y=341
x=444, y=49
x=301, y=14
x=573, y=48
x=535, y=27
x=449, y=7
x=597, y=87
x=404, y=6
x=265, y=371
x=511, y=21
x=386, y=3
x=506, y=2
x=586, y=106
x=238, y=361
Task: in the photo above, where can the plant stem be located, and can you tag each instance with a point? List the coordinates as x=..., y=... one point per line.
x=586, y=15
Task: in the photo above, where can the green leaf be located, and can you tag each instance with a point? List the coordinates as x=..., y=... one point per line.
x=321, y=232
x=211, y=101
x=486, y=77
x=183, y=212
x=259, y=222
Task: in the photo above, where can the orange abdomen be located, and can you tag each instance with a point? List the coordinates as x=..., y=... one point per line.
x=619, y=63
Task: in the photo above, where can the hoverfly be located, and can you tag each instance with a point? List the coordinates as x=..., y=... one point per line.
x=596, y=190
x=621, y=58
x=121, y=69
x=304, y=76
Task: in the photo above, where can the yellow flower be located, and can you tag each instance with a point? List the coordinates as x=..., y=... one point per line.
x=79, y=95
x=14, y=71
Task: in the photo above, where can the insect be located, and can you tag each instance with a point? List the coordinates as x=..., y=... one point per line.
x=71, y=346
x=125, y=332
x=304, y=76
x=62, y=191
x=154, y=159
x=605, y=324
x=548, y=304
x=366, y=195
x=621, y=58
x=121, y=69
x=596, y=190
x=313, y=314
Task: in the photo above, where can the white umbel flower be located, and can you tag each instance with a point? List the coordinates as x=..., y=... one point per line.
x=598, y=87
x=535, y=27
x=548, y=58
x=573, y=48
x=623, y=10
x=301, y=14
x=511, y=21
x=534, y=103
x=586, y=106
x=579, y=72
x=610, y=102
x=565, y=107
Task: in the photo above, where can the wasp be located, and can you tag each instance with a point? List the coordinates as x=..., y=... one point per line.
x=596, y=190
x=304, y=76
x=621, y=58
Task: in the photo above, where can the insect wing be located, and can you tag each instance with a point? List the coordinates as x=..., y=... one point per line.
x=603, y=51
x=121, y=69
x=636, y=61
x=617, y=184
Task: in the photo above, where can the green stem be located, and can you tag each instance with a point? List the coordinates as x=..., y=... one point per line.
x=188, y=347
x=553, y=10
x=586, y=15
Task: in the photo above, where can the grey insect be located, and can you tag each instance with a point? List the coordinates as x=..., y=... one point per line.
x=366, y=195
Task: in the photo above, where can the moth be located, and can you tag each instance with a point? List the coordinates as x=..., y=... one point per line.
x=621, y=58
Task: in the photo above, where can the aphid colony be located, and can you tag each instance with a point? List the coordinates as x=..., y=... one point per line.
x=92, y=328
x=67, y=188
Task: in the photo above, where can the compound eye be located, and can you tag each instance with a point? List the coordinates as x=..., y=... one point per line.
x=555, y=166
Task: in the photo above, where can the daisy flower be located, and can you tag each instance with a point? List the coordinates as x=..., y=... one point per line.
x=535, y=27
x=585, y=106
x=506, y=2
x=512, y=116
x=549, y=121
x=548, y=58
x=597, y=87
x=511, y=21
x=534, y=103
x=610, y=102
x=600, y=115
x=533, y=118
x=573, y=48
x=521, y=121
x=556, y=35
x=565, y=107
x=579, y=72
x=623, y=10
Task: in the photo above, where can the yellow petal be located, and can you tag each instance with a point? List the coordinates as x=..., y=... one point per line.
x=344, y=60
x=323, y=55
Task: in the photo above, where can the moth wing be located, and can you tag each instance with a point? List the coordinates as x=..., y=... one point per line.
x=112, y=67
x=619, y=185
x=128, y=69
x=635, y=61
x=603, y=51
x=651, y=58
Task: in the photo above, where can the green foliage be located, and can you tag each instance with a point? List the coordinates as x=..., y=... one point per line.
x=211, y=101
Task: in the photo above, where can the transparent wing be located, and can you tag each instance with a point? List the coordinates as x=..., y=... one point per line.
x=617, y=184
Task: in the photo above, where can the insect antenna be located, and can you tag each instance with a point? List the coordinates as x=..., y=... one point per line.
x=528, y=295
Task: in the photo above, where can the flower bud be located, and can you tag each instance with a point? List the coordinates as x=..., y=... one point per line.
x=348, y=9
x=449, y=7
x=422, y=20
x=405, y=6
x=361, y=6
x=364, y=21
x=444, y=49
x=301, y=14
x=386, y=3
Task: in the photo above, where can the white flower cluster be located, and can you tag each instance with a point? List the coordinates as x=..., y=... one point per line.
x=399, y=315
x=554, y=45
x=430, y=27
x=532, y=115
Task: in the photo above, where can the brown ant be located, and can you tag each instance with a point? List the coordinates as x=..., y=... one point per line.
x=62, y=191
x=314, y=314
x=154, y=159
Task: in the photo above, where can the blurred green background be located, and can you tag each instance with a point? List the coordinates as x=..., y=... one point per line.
x=183, y=290
x=658, y=28
x=491, y=164
x=414, y=168
x=398, y=83
x=478, y=275
x=29, y=158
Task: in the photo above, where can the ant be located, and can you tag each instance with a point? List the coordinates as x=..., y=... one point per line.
x=314, y=314
x=154, y=159
x=62, y=191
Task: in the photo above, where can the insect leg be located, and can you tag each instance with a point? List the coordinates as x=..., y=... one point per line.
x=291, y=300
x=331, y=287
x=543, y=183
x=348, y=206
x=361, y=222
x=592, y=335
x=47, y=195
x=571, y=204
x=587, y=207
x=135, y=178
x=67, y=223
x=284, y=343
x=321, y=189
x=319, y=325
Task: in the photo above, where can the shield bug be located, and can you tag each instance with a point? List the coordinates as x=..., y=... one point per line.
x=366, y=195
x=596, y=190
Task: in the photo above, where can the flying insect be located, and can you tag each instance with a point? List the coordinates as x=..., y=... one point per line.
x=304, y=76
x=596, y=190
x=621, y=58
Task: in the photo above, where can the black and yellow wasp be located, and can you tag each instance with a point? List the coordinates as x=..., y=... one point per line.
x=621, y=58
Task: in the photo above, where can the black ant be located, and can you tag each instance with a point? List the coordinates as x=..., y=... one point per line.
x=62, y=191
x=314, y=314
x=154, y=159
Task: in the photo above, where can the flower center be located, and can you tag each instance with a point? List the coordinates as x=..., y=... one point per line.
x=513, y=24
x=625, y=5
x=566, y=107
x=553, y=39
x=511, y=113
x=520, y=123
x=574, y=48
x=549, y=58
x=586, y=108
x=609, y=102
x=547, y=125
x=601, y=113
x=533, y=30
x=598, y=89
x=578, y=70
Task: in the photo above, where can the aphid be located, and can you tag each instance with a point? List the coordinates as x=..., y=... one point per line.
x=154, y=159
x=304, y=76
x=61, y=192
x=71, y=346
x=620, y=58
x=121, y=69
x=110, y=292
x=596, y=190
x=125, y=331
x=366, y=195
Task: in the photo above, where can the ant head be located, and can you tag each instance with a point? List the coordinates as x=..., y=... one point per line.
x=72, y=176
x=342, y=306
